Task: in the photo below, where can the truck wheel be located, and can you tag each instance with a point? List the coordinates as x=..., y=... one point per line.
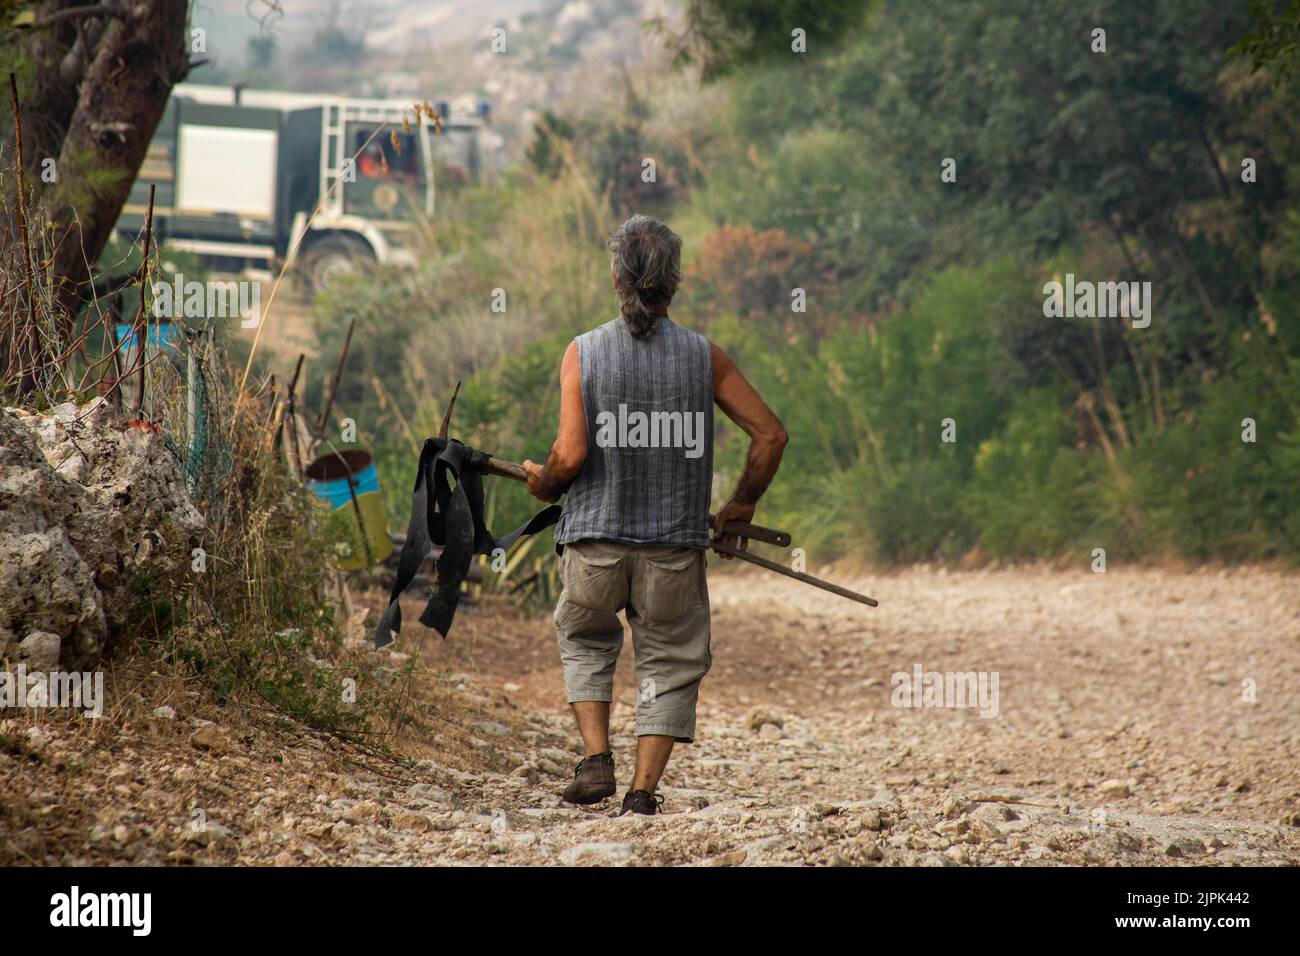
x=332, y=257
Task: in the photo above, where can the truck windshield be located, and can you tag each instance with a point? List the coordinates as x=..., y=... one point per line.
x=390, y=180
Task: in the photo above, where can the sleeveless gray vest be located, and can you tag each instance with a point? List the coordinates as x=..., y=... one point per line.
x=649, y=469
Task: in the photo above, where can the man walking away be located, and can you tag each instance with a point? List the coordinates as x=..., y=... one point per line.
x=634, y=452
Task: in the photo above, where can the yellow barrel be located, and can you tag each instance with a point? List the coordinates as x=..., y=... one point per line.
x=347, y=483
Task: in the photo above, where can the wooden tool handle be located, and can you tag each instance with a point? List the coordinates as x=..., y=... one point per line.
x=505, y=469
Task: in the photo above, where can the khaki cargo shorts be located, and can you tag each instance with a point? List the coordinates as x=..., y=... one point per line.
x=664, y=591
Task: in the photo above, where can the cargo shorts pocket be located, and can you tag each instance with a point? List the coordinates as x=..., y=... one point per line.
x=670, y=585
x=594, y=581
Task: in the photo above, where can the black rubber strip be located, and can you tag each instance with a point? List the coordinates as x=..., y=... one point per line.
x=451, y=518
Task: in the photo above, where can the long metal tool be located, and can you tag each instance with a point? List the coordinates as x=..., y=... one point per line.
x=727, y=549
x=743, y=529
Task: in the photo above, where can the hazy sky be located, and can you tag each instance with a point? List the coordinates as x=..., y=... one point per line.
x=392, y=23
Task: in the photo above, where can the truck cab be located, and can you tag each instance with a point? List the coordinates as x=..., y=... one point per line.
x=247, y=179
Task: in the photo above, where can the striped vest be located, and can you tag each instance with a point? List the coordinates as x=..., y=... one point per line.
x=649, y=469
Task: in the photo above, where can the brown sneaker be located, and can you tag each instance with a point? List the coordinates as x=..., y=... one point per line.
x=641, y=801
x=593, y=781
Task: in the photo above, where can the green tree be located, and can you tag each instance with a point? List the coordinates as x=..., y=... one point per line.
x=721, y=36
x=1274, y=40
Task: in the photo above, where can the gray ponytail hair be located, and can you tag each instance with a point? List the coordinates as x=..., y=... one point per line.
x=646, y=259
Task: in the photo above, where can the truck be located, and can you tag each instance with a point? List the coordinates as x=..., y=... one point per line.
x=245, y=179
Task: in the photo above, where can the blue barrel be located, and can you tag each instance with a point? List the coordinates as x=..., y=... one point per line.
x=361, y=532
x=339, y=491
x=160, y=334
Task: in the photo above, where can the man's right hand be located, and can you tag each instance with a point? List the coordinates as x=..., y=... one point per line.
x=537, y=484
x=733, y=510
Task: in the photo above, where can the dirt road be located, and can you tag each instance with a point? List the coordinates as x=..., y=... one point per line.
x=1127, y=730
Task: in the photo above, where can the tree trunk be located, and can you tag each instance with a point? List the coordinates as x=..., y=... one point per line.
x=140, y=54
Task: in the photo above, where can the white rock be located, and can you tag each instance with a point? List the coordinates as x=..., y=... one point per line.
x=41, y=649
x=69, y=551
x=592, y=853
x=757, y=717
x=955, y=806
x=1115, y=790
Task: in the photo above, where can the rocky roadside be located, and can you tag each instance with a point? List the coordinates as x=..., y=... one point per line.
x=852, y=781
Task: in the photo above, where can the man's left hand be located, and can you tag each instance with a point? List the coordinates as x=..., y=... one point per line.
x=733, y=510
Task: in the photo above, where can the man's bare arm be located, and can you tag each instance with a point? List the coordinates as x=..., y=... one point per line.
x=767, y=440
x=570, y=449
